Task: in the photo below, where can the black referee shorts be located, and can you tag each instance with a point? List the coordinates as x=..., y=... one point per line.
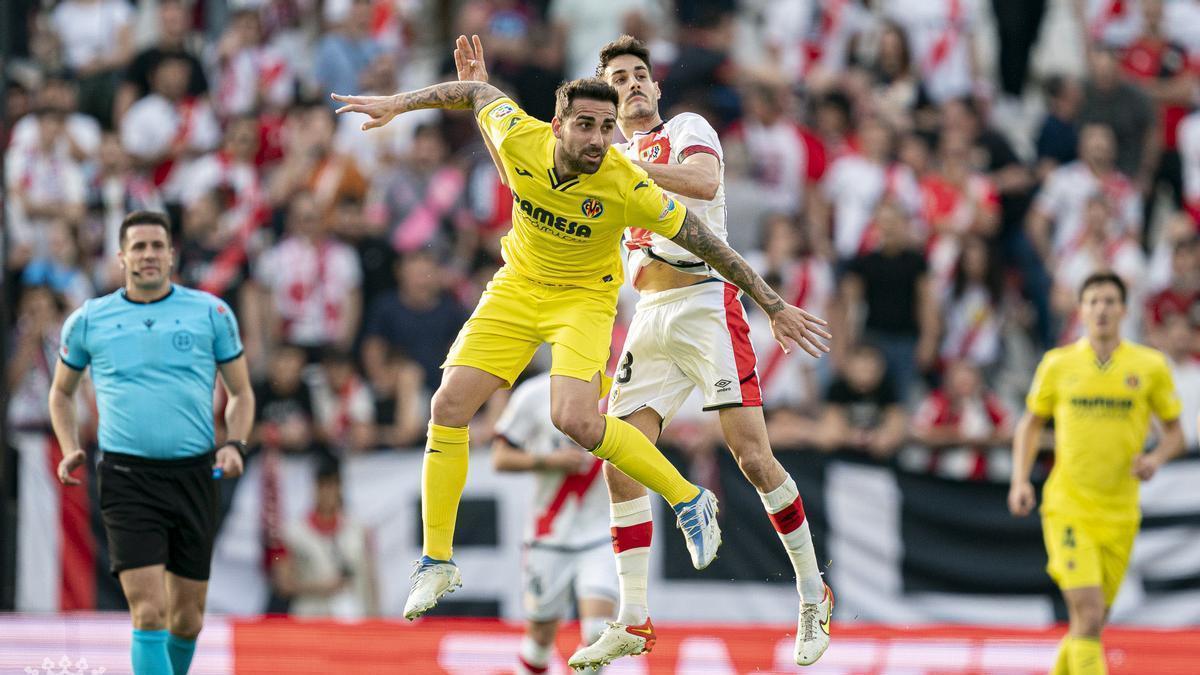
x=159, y=512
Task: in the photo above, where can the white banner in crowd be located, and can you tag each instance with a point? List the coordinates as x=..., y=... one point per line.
x=865, y=546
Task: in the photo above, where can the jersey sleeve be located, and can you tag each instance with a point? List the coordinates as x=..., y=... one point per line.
x=1041, y=398
x=650, y=207
x=503, y=118
x=73, y=348
x=1164, y=398
x=695, y=135
x=227, y=341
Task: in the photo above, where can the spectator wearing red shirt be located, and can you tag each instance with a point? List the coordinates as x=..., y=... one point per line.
x=963, y=429
x=1182, y=296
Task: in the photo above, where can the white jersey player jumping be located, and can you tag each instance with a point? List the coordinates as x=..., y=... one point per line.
x=567, y=538
x=689, y=331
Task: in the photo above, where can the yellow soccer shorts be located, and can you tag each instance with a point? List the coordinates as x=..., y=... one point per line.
x=1083, y=553
x=516, y=315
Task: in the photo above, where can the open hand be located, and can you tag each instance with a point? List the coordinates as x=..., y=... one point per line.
x=792, y=325
x=381, y=109
x=468, y=59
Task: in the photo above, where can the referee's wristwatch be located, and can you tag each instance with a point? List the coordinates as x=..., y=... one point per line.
x=240, y=446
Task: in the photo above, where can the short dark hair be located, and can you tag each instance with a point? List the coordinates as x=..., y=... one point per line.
x=592, y=88
x=624, y=45
x=1101, y=278
x=144, y=218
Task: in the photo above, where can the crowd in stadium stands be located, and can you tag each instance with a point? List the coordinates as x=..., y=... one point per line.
x=875, y=174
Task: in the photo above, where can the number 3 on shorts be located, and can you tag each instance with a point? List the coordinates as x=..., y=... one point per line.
x=625, y=370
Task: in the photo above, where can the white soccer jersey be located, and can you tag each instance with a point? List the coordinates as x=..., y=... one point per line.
x=939, y=32
x=570, y=512
x=670, y=143
x=1064, y=198
x=855, y=185
x=1114, y=23
x=153, y=124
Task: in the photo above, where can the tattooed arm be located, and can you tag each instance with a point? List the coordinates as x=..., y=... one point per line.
x=697, y=238
x=788, y=323
x=448, y=95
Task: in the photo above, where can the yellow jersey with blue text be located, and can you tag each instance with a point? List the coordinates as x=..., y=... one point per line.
x=568, y=231
x=1101, y=417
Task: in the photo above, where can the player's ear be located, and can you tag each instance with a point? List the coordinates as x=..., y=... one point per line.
x=556, y=127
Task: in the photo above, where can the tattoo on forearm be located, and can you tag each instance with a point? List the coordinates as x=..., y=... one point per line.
x=449, y=95
x=697, y=238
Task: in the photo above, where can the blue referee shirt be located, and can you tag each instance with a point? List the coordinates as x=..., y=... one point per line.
x=153, y=368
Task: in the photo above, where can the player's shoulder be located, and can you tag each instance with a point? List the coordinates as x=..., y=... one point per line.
x=1059, y=355
x=1148, y=355
x=689, y=121
x=200, y=298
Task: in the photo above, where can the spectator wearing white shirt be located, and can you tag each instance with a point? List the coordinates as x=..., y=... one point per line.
x=1181, y=343
x=941, y=33
x=114, y=191
x=250, y=74
x=43, y=187
x=584, y=26
x=1103, y=246
x=81, y=140
x=343, y=403
x=96, y=37
x=328, y=569
x=855, y=185
x=165, y=130
x=311, y=286
x=1056, y=221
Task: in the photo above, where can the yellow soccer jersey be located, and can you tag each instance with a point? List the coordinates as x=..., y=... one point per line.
x=568, y=232
x=1101, y=417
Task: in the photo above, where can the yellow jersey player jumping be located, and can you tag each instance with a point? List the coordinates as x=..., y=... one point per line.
x=1100, y=391
x=573, y=196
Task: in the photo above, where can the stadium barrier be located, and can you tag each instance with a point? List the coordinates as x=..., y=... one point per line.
x=37, y=644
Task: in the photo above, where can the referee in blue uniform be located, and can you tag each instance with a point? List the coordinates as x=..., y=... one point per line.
x=155, y=349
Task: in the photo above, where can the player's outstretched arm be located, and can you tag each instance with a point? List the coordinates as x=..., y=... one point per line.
x=447, y=95
x=789, y=324
x=471, y=67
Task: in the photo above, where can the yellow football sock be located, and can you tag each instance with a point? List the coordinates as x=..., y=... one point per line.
x=1061, y=664
x=443, y=476
x=636, y=456
x=1086, y=656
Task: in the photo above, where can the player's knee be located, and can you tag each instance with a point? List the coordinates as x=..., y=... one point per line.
x=586, y=429
x=757, y=464
x=148, y=614
x=186, y=622
x=1087, y=618
x=449, y=408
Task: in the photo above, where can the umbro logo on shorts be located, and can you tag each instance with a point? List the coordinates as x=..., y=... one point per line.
x=722, y=383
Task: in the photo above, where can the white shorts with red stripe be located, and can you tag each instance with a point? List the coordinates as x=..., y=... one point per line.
x=683, y=338
x=554, y=575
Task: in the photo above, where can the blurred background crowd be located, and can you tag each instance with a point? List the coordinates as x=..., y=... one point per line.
x=935, y=177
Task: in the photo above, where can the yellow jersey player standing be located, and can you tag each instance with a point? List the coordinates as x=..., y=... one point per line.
x=573, y=197
x=1100, y=391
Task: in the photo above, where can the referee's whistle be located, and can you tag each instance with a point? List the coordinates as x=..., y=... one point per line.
x=218, y=473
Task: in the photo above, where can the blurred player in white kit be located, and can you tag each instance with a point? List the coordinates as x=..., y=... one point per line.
x=567, y=537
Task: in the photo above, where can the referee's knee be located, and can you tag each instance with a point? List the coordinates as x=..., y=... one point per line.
x=148, y=614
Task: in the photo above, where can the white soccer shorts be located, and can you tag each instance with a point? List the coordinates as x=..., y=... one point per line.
x=552, y=576
x=696, y=336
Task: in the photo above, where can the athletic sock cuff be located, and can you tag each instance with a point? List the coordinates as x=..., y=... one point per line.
x=631, y=512
x=781, y=497
x=453, y=440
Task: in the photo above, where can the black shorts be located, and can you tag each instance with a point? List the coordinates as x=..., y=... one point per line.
x=159, y=512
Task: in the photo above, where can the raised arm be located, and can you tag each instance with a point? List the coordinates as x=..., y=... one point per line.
x=788, y=323
x=447, y=95
x=471, y=67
